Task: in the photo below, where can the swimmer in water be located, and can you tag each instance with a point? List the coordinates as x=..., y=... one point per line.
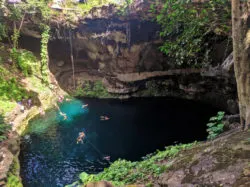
x=104, y=118
x=106, y=158
x=80, y=137
x=67, y=99
x=84, y=106
x=64, y=115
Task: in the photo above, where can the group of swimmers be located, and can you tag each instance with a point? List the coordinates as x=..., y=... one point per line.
x=81, y=135
x=61, y=98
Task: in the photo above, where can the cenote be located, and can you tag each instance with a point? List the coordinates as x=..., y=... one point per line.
x=50, y=155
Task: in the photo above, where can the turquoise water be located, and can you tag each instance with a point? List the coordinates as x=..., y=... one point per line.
x=50, y=156
x=72, y=109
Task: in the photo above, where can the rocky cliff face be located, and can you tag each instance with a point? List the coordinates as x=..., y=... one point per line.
x=122, y=52
x=222, y=162
x=9, y=164
x=106, y=43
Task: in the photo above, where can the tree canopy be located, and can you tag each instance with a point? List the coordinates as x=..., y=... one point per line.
x=188, y=28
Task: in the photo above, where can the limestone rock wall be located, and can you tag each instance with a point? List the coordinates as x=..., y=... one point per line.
x=106, y=45
x=111, y=46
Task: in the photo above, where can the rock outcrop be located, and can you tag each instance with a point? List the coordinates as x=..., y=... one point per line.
x=121, y=50
x=222, y=162
x=9, y=151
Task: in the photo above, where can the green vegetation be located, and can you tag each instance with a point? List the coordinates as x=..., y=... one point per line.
x=11, y=89
x=6, y=106
x=15, y=66
x=44, y=52
x=3, y=31
x=3, y=129
x=25, y=60
x=15, y=36
x=123, y=172
x=124, y=9
x=13, y=179
x=215, y=125
x=18, y=12
x=72, y=9
x=92, y=89
x=10, y=86
x=189, y=29
x=14, y=16
x=86, y=7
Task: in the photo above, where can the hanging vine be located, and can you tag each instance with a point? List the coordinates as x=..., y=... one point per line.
x=14, y=37
x=44, y=52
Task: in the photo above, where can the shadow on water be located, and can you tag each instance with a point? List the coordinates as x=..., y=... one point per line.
x=50, y=155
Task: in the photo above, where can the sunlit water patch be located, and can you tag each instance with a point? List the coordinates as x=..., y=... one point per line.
x=50, y=155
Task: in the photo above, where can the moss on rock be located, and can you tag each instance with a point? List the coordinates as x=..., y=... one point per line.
x=92, y=89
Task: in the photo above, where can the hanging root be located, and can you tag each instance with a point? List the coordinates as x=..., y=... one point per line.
x=247, y=117
x=247, y=122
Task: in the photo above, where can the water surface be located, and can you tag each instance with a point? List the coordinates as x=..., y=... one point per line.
x=50, y=155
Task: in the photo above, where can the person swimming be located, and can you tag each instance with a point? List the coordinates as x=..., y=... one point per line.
x=68, y=99
x=64, y=115
x=84, y=106
x=80, y=137
x=106, y=158
x=104, y=118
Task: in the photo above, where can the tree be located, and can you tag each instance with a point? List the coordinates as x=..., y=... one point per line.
x=241, y=56
x=189, y=29
x=17, y=11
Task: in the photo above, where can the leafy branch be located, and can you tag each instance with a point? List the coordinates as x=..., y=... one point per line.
x=215, y=125
x=44, y=52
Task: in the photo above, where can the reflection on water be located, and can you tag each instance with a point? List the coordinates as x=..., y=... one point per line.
x=49, y=153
